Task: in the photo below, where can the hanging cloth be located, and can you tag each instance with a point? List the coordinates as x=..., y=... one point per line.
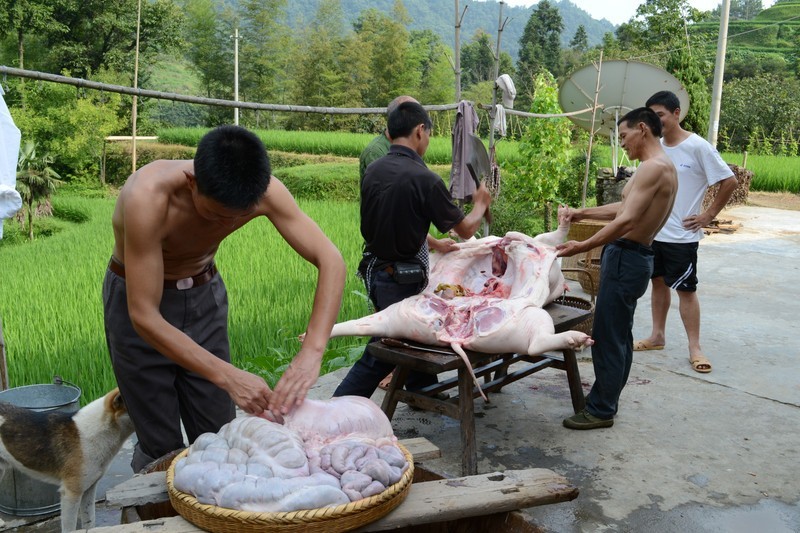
x=499, y=123
x=461, y=184
x=10, y=201
x=506, y=84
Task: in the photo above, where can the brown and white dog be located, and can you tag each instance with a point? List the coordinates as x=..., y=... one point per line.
x=71, y=450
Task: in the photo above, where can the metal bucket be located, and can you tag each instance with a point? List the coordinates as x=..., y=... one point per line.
x=21, y=495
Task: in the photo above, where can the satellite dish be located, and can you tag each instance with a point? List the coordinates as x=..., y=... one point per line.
x=624, y=85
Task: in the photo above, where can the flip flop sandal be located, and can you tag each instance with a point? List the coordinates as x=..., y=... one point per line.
x=700, y=364
x=643, y=346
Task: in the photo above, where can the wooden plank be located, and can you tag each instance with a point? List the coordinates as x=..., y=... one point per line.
x=432, y=501
x=152, y=488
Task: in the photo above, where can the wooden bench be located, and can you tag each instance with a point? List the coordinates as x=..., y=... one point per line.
x=428, y=502
x=494, y=368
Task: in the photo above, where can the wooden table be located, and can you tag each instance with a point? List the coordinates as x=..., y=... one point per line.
x=494, y=368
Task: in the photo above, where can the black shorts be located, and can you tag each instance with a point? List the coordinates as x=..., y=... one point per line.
x=677, y=264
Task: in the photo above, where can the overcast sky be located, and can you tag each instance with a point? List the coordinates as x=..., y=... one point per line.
x=619, y=11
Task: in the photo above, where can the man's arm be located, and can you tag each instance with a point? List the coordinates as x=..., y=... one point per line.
x=481, y=199
x=144, y=216
x=724, y=193
x=308, y=240
x=642, y=190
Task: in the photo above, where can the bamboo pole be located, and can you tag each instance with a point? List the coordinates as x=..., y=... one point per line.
x=146, y=93
x=3, y=364
x=591, y=133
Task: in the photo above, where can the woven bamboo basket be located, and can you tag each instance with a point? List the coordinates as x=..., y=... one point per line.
x=580, y=231
x=579, y=303
x=323, y=520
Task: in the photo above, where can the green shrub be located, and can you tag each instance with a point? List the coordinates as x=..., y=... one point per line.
x=118, y=157
x=325, y=181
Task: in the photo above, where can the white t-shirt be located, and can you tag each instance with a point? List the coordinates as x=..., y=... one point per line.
x=699, y=166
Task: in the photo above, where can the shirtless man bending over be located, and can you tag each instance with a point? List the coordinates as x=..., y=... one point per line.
x=627, y=261
x=165, y=304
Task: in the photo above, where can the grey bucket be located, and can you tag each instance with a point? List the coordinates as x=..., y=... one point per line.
x=21, y=495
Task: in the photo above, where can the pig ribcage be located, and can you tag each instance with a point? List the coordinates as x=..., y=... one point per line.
x=487, y=296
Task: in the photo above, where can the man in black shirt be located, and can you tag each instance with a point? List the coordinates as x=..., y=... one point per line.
x=400, y=199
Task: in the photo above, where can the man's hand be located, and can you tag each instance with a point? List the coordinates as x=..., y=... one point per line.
x=293, y=386
x=482, y=195
x=696, y=222
x=250, y=392
x=443, y=246
x=569, y=248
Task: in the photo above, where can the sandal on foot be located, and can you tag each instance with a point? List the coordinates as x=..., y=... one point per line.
x=584, y=420
x=642, y=346
x=700, y=363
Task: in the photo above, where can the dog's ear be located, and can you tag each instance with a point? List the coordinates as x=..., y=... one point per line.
x=114, y=402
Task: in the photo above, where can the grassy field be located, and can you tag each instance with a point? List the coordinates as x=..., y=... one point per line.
x=51, y=306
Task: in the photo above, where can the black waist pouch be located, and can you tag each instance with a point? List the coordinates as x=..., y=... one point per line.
x=405, y=273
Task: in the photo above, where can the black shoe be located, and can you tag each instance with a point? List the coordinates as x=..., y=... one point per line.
x=584, y=420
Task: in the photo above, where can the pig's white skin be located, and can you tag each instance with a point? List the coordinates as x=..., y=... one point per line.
x=512, y=323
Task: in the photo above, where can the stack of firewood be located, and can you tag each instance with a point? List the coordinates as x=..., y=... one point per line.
x=739, y=197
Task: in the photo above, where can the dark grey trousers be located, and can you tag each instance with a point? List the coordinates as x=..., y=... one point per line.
x=159, y=394
x=625, y=271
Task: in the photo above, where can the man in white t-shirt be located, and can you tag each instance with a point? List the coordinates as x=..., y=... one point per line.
x=699, y=166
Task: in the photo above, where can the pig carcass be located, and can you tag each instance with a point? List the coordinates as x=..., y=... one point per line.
x=486, y=296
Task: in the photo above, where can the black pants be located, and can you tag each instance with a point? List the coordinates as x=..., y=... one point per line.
x=159, y=394
x=367, y=373
x=625, y=271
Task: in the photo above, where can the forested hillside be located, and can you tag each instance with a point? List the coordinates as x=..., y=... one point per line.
x=439, y=16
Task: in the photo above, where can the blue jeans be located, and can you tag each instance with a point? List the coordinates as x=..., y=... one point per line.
x=625, y=271
x=365, y=375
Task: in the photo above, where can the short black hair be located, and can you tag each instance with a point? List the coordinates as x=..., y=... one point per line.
x=643, y=114
x=406, y=117
x=668, y=99
x=231, y=166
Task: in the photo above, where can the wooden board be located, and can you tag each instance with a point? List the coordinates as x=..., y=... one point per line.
x=432, y=501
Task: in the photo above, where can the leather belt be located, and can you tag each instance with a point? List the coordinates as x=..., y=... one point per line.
x=180, y=284
x=633, y=245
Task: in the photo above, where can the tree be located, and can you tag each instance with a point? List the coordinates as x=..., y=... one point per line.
x=437, y=79
x=580, y=41
x=326, y=72
x=36, y=180
x=544, y=150
x=204, y=34
x=101, y=34
x=540, y=42
x=740, y=10
x=388, y=41
x=28, y=17
x=660, y=25
x=688, y=69
x=477, y=60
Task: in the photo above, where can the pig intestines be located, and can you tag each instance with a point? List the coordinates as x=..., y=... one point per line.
x=253, y=464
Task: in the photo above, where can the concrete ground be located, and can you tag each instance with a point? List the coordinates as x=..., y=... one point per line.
x=688, y=452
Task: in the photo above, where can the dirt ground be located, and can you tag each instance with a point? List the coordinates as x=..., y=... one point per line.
x=776, y=200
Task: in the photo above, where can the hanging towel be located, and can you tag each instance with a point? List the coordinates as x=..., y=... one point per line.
x=506, y=84
x=499, y=123
x=10, y=200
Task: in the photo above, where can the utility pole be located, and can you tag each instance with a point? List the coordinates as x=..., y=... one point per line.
x=236, y=74
x=135, y=85
x=719, y=72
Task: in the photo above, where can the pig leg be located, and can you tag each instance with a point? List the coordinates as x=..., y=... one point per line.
x=574, y=340
x=460, y=351
x=559, y=235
